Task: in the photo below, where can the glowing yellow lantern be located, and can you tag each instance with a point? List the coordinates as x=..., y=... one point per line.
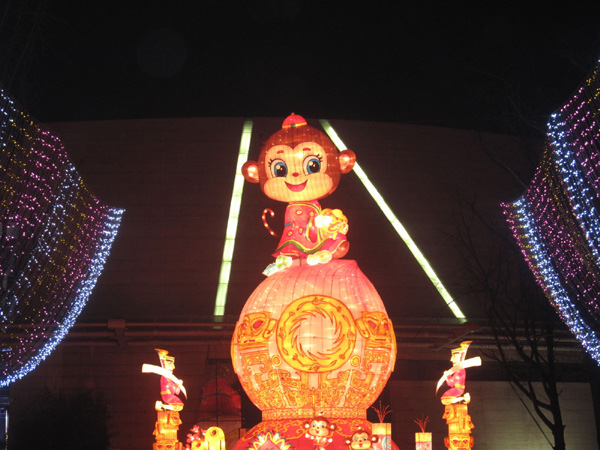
x=423, y=441
x=212, y=439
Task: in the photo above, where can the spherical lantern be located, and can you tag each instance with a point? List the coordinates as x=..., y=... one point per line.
x=314, y=341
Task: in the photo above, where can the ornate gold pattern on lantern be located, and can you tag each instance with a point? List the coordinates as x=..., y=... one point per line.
x=327, y=352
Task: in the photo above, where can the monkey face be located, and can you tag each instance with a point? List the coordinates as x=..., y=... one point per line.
x=319, y=428
x=360, y=441
x=297, y=174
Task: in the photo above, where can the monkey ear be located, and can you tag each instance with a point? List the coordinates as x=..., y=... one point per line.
x=347, y=160
x=250, y=171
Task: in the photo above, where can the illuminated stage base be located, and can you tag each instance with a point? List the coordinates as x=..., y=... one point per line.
x=291, y=434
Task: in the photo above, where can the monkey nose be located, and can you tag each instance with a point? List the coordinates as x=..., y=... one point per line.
x=295, y=174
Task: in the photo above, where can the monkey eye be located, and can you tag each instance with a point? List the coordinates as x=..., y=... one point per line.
x=279, y=168
x=312, y=164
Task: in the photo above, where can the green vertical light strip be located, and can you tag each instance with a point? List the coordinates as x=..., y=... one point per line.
x=232, y=223
x=387, y=211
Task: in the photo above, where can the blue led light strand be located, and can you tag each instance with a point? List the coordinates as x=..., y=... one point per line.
x=556, y=222
x=525, y=231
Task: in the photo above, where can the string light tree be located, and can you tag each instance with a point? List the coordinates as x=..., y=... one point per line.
x=55, y=238
x=314, y=346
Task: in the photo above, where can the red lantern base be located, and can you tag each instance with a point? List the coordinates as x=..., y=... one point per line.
x=295, y=434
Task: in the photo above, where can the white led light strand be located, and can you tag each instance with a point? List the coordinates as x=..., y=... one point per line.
x=541, y=266
x=232, y=223
x=580, y=196
x=81, y=296
x=389, y=214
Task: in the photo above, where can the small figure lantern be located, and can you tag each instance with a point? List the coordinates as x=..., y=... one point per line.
x=455, y=376
x=167, y=410
x=456, y=412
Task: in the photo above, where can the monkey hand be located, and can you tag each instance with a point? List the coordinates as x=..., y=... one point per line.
x=331, y=222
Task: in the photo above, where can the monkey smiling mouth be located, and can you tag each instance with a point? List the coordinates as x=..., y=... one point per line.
x=296, y=187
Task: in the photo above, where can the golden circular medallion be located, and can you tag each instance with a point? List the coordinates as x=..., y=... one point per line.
x=316, y=333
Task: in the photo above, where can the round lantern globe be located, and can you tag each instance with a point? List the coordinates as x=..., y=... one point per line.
x=314, y=341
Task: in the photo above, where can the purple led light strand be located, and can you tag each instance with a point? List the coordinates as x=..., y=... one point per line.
x=573, y=133
x=556, y=223
x=578, y=125
x=564, y=240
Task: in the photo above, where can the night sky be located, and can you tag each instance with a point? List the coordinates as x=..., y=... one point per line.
x=477, y=65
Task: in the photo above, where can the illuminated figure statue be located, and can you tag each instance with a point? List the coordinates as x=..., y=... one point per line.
x=300, y=165
x=170, y=386
x=168, y=421
x=456, y=412
x=211, y=439
x=313, y=347
x=455, y=377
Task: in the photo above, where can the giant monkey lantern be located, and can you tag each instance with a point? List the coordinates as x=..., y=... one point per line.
x=300, y=165
x=314, y=346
